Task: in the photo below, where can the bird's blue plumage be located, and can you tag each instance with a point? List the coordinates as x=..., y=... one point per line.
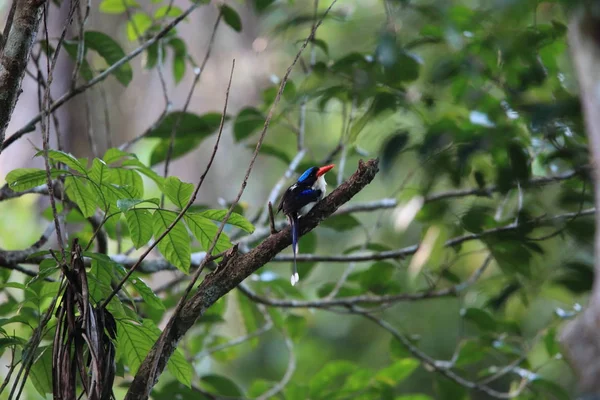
x=298, y=200
x=305, y=175
x=308, y=193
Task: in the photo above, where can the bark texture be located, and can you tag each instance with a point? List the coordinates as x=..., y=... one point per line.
x=15, y=55
x=581, y=338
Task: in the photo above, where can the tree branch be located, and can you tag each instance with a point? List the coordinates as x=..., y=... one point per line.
x=15, y=55
x=30, y=126
x=580, y=337
x=236, y=269
x=367, y=299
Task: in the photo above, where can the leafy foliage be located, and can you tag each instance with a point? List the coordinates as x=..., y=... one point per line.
x=471, y=107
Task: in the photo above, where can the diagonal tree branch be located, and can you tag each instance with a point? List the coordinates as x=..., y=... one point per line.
x=238, y=267
x=23, y=28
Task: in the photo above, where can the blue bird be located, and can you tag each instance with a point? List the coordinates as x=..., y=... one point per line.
x=298, y=200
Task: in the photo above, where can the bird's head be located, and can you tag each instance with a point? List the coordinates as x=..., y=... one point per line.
x=311, y=175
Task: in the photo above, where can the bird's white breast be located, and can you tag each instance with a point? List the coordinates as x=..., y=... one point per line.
x=319, y=184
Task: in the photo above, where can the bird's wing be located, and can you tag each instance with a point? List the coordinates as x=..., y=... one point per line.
x=309, y=196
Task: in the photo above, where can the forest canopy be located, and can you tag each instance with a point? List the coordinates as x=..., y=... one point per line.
x=145, y=146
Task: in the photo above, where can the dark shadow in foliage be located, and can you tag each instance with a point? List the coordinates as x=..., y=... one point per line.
x=83, y=340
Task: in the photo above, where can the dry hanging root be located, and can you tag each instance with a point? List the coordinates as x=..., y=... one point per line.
x=83, y=342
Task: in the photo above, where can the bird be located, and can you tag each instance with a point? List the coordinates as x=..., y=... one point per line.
x=299, y=199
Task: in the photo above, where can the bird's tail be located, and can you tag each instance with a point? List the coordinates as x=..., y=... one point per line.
x=294, y=224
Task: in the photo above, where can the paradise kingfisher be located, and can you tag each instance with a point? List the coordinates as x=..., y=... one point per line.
x=298, y=200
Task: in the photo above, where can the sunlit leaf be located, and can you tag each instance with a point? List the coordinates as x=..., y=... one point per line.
x=175, y=246
x=235, y=219
x=397, y=372
x=21, y=179
x=205, y=231
x=68, y=159
x=117, y=6
x=177, y=191
x=135, y=340
x=138, y=25
x=79, y=192
x=140, y=226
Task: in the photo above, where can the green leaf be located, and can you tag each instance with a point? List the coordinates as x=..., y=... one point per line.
x=189, y=125
x=231, y=18
x=175, y=246
x=471, y=351
x=179, y=58
x=484, y=320
x=205, y=230
x=247, y=309
x=378, y=277
x=272, y=151
x=191, y=130
x=72, y=49
x=168, y=11
x=417, y=396
x=138, y=25
x=178, y=192
x=296, y=326
x=117, y=6
x=139, y=223
x=134, y=341
x=322, y=382
x=141, y=168
x=220, y=385
x=81, y=194
x=111, y=52
x=397, y=372
x=180, y=368
x=519, y=161
x=235, y=219
x=550, y=342
x=391, y=149
x=99, y=173
x=261, y=5
x=553, y=389
x=21, y=179
x=247, y=122
x=258, y=387
x=341, y=223
x=41, y=371
x=113, y=155
x=149, y=297
x=65, y=158
x=126, y=204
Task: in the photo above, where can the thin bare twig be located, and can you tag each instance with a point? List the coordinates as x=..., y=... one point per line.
x=183, y=210
x=156, y=359
x=241, y=339
x=410, y=250
x=367, y=299
x=30, y=126
x=434, y=365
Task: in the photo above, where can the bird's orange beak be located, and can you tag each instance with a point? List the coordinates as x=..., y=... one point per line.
x=323, y=170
